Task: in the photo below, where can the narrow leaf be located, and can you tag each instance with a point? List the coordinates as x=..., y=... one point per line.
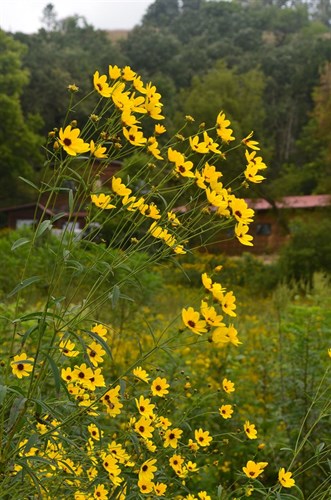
x=29, y=183
x=114, y=296
x=58, y=216
x=101, y=341
x=24, y=284
x=3, y=392
x=19, y=243
x=71, y=201
x=56, y=373
x=46, y=224
x=15, y=411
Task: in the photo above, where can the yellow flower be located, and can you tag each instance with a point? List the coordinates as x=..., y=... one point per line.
x=73, y=88
x=224, y=334
x=134, y=136
x=95, y=432
x=141, y=374
x=102, y=201
x=191, y=319
x=176, y=462
x=171, y=437
x=101, y=85
x=253, y=469
x=241, y=234
x=145, y=486
x=211, y=145
x=145, y=407
x=159, y=129
x=202, y=437
x=159, y=387
x=228, y=303
x=114, y=72
x=163, y=422
x=110, y=465
x=198, y=147
x=144, y=428
x=71, y=143
x=100, y=330
x=66, y=374
x=21, y=365
x=210, y=314
x=240, y=210
x=222, y=129
x=226, y=411
x=67, y=348
x=160, y=489
x=182, y=167
x=100, y=492
x=251, y=174
x=98, y=151
x=202, y=495
x=153, y=148
x=285, y=478
x=95, y=353
x=228, y=386
x=147, y=469
x=153, y=109
x=250, y=430
x=249, y=143
x=193, y=445
x=128, y=74
x=111, y=401
x=119, y=187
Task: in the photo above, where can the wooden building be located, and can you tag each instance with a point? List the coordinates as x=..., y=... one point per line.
x=271, y=226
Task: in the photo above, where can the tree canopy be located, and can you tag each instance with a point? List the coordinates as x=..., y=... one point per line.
x=260, y=60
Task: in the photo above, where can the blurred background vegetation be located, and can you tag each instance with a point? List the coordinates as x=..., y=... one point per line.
x=267, y=63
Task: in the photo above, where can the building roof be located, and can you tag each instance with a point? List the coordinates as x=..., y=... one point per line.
x=308, y=201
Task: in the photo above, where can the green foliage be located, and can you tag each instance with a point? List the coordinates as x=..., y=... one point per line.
x=58, y=58
x=308, y=252
x=19, y=142
x=137, y=285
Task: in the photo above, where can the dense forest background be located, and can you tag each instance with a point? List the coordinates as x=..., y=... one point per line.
x=266, y=63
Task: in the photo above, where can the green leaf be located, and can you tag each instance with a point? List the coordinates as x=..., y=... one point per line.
x=44, y=226
x=32, y=441
x=29, y=183
x=3, y=392
x=58, y=216
x=28, y=333
x=320, y=447
x=115, y=295
x=122, y=387
x=56, y=373
x=15, y=411
x=19, y=243
x=71, y=201
x=23, y=284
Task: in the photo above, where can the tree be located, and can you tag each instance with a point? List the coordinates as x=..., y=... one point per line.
x=19, y=142
x=49, y=18
x=70, y=53
x=239, y=95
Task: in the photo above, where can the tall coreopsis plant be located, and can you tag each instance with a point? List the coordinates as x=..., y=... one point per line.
x=78, y=420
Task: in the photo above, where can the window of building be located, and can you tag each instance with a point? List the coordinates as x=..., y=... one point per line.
x=24, y=222
x=263, y=229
